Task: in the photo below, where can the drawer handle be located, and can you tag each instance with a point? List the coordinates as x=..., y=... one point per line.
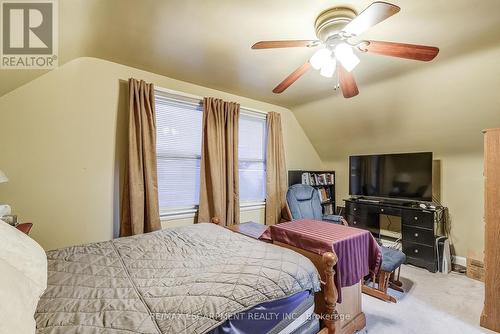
x=354, y=222
x=416, y=218
x=416, y=251
x=381, y=210
x=416, y=235
x=355, y=209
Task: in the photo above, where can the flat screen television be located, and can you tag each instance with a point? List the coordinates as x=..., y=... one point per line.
x=405, y=176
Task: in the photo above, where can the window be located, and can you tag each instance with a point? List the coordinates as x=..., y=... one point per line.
x=252, y=158
x=178, y=149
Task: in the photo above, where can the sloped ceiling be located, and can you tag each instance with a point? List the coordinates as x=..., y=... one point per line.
x=441, y=108
x=403, y=105
x=208, y=42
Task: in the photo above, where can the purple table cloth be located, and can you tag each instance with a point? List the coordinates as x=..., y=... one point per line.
x=357, y=251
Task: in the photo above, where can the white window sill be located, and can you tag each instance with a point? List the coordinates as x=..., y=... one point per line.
x=166, y=215
x=177, y=214
x=249, y=206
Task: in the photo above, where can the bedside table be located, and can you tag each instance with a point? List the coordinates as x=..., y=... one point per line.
x=25, y=227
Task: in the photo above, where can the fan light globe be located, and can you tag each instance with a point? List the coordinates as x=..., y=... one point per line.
x=319, y=58
x=328, y=68
x=346, y=56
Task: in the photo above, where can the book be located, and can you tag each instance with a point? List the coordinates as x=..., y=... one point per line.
x=318, y=179
x=305, y=178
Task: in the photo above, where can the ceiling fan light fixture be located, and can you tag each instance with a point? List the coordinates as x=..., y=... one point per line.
x=319, y=58
x=346, y=56
x=328, y=68
x=335, y=27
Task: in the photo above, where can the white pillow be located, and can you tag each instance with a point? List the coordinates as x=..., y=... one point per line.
x=23, y=279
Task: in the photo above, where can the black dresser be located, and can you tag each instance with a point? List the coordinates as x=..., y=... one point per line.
x=419, y=227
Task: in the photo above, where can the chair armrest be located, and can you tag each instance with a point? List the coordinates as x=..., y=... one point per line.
x=337, y=219
x=333, y=218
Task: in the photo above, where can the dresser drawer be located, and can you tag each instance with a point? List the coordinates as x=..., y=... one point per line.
x=387, y=211
x=418, y=235
x=354, y=209
x=359, y=212
x=355, y=221
x=423, y=252
x=418, y=218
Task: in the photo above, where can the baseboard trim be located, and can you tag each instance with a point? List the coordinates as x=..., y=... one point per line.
x=460, y=260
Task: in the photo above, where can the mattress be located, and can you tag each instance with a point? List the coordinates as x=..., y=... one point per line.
x=182, y=280
x=281, y=316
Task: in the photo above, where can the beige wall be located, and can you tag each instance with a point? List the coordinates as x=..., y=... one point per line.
x=62, y=143
x=461, y=189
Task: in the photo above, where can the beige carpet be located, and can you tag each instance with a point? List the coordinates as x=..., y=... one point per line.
x=433, y=303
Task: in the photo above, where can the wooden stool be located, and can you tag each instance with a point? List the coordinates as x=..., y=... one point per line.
x=392, y=259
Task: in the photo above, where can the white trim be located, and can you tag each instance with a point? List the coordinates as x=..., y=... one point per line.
x=166, y=215
x=250, y=206
x=245, y=110
x=175, y=92
x=253, y=113
x=460, y=260
x=177, y=213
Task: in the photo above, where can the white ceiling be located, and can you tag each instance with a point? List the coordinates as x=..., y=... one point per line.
x=208, y=42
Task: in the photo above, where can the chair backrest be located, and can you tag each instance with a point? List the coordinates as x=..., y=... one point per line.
x=304, y=202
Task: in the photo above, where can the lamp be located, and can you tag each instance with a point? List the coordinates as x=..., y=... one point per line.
x=346, y=56
x=3, y=177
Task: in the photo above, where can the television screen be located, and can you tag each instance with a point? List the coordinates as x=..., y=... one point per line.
x=403, y=176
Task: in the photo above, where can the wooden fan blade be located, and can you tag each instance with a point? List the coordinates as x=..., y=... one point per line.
x=372, y=15
x=292, y=78
x=284, y=44
x=347, y=82
x=401, y=50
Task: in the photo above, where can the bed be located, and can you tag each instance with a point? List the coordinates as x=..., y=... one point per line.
x=195, y=279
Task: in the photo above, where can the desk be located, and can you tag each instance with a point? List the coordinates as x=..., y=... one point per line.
x=419, y=228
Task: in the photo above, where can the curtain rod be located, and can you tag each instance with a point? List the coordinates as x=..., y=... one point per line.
x=196, y=97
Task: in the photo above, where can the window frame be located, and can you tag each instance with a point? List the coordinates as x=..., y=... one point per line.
x=180, y=97
x=252, y=114
x=176, y=97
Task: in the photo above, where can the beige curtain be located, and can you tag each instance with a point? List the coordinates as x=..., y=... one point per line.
x=219, y=189
x=140, y=212
x=276, y=186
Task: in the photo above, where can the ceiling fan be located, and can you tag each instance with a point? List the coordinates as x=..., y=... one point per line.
x=335, y=29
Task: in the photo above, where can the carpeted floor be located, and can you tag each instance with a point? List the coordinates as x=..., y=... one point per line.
x=433, y=303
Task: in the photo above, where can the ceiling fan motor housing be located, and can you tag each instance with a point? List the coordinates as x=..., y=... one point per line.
x=331, y=21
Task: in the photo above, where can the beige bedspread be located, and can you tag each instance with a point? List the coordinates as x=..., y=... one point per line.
x=179, y=280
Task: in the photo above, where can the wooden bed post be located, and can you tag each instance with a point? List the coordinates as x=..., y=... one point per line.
x=330, y=319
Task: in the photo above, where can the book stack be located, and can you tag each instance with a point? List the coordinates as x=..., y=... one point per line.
x=325, y=194
x=318, y=179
